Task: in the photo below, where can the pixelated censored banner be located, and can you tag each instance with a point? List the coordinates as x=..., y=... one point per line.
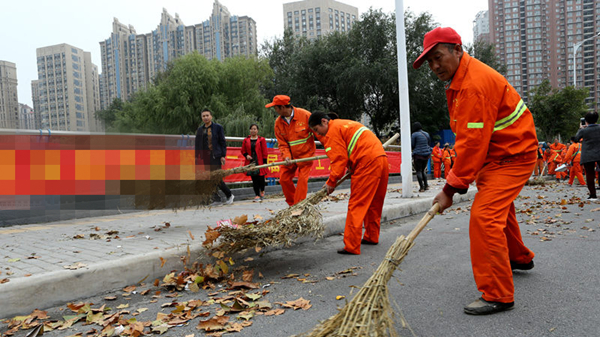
x=84, y=165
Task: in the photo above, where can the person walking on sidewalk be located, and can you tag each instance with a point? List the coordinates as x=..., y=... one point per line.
x=421, y=152
x=350, y=144
x=497, y=143
x=295, y=141
x=573, y=157
x=590, y=150
x=436, y=158
x=210, y=150
x=254, y=150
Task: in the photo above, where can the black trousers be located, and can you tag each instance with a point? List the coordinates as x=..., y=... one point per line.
x=420, y=166
x=590, y=177
x=258, y=183
x=213, y=165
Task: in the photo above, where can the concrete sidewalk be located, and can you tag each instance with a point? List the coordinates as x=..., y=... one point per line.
x=53, y=263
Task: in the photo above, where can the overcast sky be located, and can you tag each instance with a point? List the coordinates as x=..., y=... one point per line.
x=29, y=24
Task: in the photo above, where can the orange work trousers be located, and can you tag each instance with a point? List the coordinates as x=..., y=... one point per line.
x=576, y=172
x=294, y=194
x=368, y=187
x=447, y=166
x=437, y=170
x=551, y=166
x=539, y=166
x=493, y=230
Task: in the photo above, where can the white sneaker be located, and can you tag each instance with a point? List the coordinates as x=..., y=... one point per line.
x=229, y=200
x=257, y=199
x=216, y=203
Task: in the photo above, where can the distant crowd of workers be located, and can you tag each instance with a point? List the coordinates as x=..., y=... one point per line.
x=564, y=157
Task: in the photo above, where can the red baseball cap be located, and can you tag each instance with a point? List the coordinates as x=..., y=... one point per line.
x=279, y=100
x=438, y=35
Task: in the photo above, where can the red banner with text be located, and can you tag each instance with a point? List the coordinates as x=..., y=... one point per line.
x=320, y=168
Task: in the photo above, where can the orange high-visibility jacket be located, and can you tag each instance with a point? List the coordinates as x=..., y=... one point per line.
x=541, y=154
x=436, y=154
x=295, y=139
x=556, y=152
x=573, y=154
x=350, y=143
x=446, y=155
x=489, y=118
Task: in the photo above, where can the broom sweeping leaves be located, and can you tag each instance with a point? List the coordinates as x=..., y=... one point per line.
x=300, y=220
x=369, y=313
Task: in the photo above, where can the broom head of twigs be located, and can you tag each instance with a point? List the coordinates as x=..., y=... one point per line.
x=539, y=180
x=288, y=225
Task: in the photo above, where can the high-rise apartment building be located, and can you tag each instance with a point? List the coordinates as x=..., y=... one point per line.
x=481, y=27
x=67, y=89
x=9, y=100
x=536, y=38
x=314, y=18
x=26, y=117
x=35, y=98
x=130, y=60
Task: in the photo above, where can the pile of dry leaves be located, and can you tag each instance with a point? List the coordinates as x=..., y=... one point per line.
x=232, y=299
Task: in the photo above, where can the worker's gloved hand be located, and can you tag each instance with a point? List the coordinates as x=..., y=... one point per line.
x=330, y=189
x=288, y=160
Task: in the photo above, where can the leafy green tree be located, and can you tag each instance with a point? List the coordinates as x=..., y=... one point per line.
x=281, y=55
x=557, y=112
x=173, y=103
x=427, y=96
x=109, y=116
x=486, y=53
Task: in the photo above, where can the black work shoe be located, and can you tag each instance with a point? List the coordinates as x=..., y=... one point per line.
x=483, y=307
x=345, y=252
x=365, y=242
x=521, y=266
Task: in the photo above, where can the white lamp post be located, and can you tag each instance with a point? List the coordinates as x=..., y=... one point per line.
x=575, y=47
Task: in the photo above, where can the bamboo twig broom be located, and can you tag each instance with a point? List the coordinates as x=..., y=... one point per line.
x=369, y=313
x=300, y=220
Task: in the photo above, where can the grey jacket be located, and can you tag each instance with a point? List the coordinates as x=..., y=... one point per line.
x=420, y=143
x=590, y=146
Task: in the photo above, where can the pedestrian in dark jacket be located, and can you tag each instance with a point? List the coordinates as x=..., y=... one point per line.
x=421, y=151
x=590, y=150
x=210, y=152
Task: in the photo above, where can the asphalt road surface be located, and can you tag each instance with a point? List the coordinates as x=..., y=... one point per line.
x=559, y=297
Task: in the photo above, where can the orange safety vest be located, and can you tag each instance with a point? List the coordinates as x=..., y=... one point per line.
x=350, y=143
x=295, y=139
x=556, y=152
x=436, y=154
x=447, y=155
x=489, y=118
x=573, y=154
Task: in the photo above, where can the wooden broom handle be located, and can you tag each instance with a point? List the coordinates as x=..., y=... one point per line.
x=389, y=142
x=424, y=221
x=386, y=144
x=290, y=162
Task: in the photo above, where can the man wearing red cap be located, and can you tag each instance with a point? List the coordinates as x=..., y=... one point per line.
x=496, y=145
x=295, y=141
